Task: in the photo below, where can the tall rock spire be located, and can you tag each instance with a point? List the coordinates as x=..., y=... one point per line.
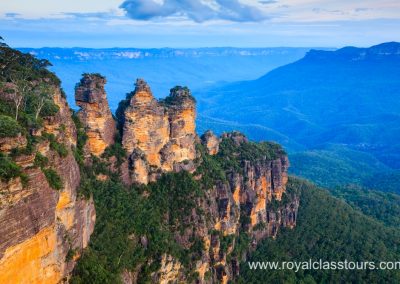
x=95, y=113
x=159, y=135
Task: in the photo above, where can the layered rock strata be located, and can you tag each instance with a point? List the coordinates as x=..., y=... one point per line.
x=159, y=136
x=40, y=226
x=95, y=113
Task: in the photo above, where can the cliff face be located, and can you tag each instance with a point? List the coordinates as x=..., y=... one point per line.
x=252, y=202
x=95, y=113
x=243, y=200
x=159, y=136
x=38, y=224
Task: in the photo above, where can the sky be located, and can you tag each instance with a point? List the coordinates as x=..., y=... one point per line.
x=198, y=23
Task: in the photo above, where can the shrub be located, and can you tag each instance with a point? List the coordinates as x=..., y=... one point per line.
x=59, y=148
x=40, y=160
x=53, y=179
x=54, y=145
x=9, y=127
x=8, y=169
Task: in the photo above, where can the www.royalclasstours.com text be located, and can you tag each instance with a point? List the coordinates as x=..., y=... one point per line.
x=323, y=265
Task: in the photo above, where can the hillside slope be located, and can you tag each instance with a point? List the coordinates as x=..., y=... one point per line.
x=330, y=230
x=349, y=96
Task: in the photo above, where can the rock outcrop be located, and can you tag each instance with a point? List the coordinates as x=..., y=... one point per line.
x=211, y=142
x=40, y=226
x=159, y=136
x=95, y=113
x=249, y=202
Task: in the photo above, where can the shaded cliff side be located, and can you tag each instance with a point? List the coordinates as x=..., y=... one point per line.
x=44, y=224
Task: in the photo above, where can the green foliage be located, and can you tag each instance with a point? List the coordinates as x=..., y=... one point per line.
x=13, y=61
x=123, y=104
x=230, y=155
x=209, y=168
x=56, y=146
x=8, y=169
x=226, y=242
x=81, y=139
x=124, y=216
x=384, y=207
x=330, y=230
x=40, y=160
x=28, y=87
x=173, y=99
x=115, y=150
x=336, y=165
x=388, y=181
x=70, y=254
x=93, y=75
x=9, y=127
x=53, y=179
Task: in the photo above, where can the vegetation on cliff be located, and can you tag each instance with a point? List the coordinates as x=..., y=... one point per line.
x=9, y=169
x=135, y=226
x=26, y=99
x=331, y=230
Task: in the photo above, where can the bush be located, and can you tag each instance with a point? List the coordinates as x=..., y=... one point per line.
x=9, y=127
x=54, y=145
x=49, y=109
x=59, y=148
x=40, y=160
x=8, y=169
x=53, y=179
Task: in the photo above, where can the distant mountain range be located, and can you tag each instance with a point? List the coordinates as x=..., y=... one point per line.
x=349, y=98
x=163, y=68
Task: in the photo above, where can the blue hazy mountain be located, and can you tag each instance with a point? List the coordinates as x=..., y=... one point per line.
x=163, y=68
x=348, y=97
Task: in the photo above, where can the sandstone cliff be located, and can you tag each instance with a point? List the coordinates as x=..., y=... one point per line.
x=95, y=113
x=41, y=226
x=248, y=203
x=243, y=199
x=159, y=136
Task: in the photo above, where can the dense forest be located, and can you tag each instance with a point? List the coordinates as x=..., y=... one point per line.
x=331, y=230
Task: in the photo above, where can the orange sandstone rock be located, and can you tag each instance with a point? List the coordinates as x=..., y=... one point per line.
x=95, y=113
x=159, y=136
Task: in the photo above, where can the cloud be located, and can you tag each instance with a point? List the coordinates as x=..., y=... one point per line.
x=266, y=2
x=11, y=15
x=97, y=15
x=196, y=10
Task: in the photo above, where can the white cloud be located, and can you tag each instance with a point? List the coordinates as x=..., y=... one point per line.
x=196, y=10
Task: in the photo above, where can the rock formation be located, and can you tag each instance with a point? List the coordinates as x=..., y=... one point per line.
x=40, y=226
x=159, y=136
x=211, y=142
x=95, y=113
x=253, y=193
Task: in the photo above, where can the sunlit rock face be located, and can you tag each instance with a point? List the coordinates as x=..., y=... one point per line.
x=95, y=113
x=253, y=201
x=159, y=136
x=38, y=224
x=211, y=142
